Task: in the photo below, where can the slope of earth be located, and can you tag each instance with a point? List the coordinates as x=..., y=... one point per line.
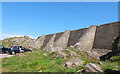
x=43, y=61
x=24, y=41
x=36, y=61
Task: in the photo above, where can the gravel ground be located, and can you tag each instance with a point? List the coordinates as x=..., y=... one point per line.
x=5, y=56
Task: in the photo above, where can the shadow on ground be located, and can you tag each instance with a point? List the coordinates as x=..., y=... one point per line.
x=115, y=50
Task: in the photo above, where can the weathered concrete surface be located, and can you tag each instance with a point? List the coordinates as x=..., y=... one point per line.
x=75, y=36
x=119, y=27
x=105, y=35
x=85, y=43
x=39, y=42
x=63, y=40
x=50, y=44
x=100, y=37
x=57, y=36
x=47, y=38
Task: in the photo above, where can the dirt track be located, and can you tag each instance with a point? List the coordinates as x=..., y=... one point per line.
x=5, y=56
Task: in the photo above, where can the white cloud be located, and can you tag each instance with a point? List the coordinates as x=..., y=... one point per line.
x=3, y=36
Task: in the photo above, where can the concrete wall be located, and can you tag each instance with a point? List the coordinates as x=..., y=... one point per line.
x=52, y=41
x=100, y=37
x=105, y=35
x=75, y=36
x=119, y=28
x=39, y=42
x=50, y=44
x=85, y=43
x=58, y=35
x=47, y=38
x=63, y=40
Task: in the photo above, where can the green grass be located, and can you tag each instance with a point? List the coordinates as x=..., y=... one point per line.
x=84, y=57
x=114, y=65
x=42, y=61
x=35, y=62
x=68, y=53
x=115, y=58
x=111, y=65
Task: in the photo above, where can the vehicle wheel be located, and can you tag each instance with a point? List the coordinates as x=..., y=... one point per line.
x=23, y=51
x=8, y=53
x=13, y=52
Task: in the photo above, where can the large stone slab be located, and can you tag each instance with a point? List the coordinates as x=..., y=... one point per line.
x=90, y=67
x=85, y=43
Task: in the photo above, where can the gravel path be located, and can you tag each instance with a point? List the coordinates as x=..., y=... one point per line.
x=5, y=56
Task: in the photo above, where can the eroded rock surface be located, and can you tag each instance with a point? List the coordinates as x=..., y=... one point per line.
x=90, y=67
x=74, y=63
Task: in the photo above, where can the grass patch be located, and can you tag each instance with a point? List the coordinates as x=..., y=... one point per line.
x=68, y=53
x=115, y=58
x=43, y=61
x=110, y=65
x=39, y=61
x=114, y=65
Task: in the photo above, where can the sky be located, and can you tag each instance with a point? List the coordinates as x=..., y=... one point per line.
x=35, y=19
x=60, y=0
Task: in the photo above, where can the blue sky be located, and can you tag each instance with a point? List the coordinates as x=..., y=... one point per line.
x=40, y=18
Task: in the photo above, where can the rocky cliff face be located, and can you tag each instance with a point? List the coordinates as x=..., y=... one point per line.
x=19, y=41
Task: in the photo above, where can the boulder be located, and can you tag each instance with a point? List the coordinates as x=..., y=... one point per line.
x=90, y=67
x=74, y=63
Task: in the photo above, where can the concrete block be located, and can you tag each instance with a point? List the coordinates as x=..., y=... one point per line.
x=75, y=36
x=105, y=35
x=39, y=42
x=50, y=44
x=63, y=40
x=85, y=43
x=47, y=38
x=57, y=36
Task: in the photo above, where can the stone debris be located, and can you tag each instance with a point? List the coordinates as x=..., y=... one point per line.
x=90, y=67
x=74, y=63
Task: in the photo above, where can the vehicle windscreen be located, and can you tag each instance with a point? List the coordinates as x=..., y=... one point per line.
x=15, y=47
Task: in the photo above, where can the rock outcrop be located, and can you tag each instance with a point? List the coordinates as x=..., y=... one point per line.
x=90, y=67
x=24, y=41
x=74, y=63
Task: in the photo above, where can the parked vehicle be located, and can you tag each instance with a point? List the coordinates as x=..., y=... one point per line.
x=17, y=49
x=3, y=49
x=27, y=50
